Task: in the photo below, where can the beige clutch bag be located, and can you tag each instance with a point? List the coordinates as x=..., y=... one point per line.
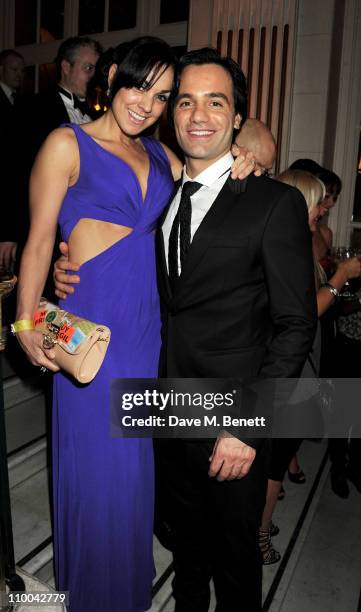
x=80, y=345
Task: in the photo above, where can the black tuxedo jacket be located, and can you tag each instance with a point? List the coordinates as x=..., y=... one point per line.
x=244, y=304
x=47, y=112
x=44, y=113
x=24, y=128
x=6, y=108
x=50, y=111
x=34, y=118
x=9, y=170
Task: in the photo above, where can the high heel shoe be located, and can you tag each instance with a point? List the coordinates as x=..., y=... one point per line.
x=273, y=529
x=269, y=554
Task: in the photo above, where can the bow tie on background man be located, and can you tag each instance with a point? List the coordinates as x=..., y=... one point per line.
x=82, y=105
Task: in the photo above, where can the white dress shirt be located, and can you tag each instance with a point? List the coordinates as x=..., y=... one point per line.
x=75, y=114
x=8, y=92
x=212, y=179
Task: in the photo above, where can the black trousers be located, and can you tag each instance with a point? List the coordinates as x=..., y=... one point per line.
x=214, y=526
x=343, y=452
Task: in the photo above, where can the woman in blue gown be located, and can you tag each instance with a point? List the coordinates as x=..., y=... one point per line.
x=106, y=186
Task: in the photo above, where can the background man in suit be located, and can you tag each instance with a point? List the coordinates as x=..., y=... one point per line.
x=75, y=65
x=238, y=300
x=11, y=80
x=32, y=121
x=65, y=102
x=238, y=295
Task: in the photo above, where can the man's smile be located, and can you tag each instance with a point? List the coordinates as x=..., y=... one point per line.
x=200, y=133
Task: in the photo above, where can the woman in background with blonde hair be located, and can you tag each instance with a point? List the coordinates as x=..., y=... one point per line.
x=284, y=449
x=313, y=190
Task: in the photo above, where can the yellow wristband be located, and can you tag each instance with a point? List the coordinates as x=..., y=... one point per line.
x=22, y=325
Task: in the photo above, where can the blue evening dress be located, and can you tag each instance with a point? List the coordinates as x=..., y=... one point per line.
x=104, y=486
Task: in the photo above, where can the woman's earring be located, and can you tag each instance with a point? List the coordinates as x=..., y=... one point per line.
x=108, y=92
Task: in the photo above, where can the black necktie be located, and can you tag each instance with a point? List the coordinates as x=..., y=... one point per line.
x=182, y=221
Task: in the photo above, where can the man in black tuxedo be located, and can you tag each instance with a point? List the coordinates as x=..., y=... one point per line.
x=237, y=286
x=11, y=79
x=66, y=102
x=34, y=117
x=75, y=65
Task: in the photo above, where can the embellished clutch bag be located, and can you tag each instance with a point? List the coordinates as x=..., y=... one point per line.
x=80, y=345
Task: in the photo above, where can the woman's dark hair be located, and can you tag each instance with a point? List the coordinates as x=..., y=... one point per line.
x=136, y=60
x=330, y=179
x=308, y=165
x=207, y=55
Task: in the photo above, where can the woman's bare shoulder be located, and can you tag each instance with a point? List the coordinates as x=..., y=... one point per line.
x=61, y=137
x=60, y=146
x=175, y=163
x=58, y=152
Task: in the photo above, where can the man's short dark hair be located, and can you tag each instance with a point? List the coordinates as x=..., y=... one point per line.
x=69, y=48
x=207, y=55
x=8, y=53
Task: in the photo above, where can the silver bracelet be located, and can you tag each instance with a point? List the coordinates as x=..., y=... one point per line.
x=332, y=290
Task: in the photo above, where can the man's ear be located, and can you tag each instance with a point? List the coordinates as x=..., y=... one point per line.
x=111, y=74
x=237, y=121
x=65, y=67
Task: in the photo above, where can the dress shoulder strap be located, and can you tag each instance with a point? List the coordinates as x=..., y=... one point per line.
x=74, y=126
x=83, y=139
x=154, y=147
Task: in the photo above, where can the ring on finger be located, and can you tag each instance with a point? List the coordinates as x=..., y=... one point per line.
x=43, y=370
x=48, y=342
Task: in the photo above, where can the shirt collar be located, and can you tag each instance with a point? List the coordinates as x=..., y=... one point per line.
x=211, y=174
x=65, y=92
x=68, y=95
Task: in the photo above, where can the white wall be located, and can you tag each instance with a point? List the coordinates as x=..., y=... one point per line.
x=348, y=123
x=148, y=13
x=326, y=106
x=311, y=75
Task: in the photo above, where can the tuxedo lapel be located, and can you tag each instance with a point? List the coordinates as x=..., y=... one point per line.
x=161, y=254
x=6, y=108
x=60, y=110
